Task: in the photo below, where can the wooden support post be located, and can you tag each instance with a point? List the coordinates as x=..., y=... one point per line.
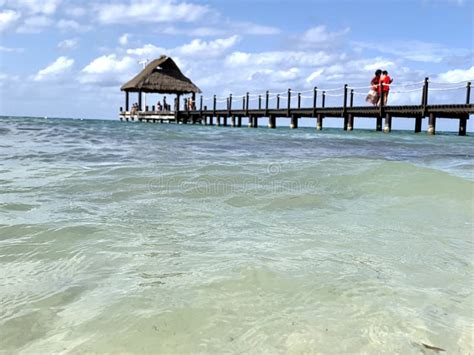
x=224, y=121
x=315, y=100
x=294, y=122
x=299, y=100
x=468, y=93
x=463, y=120
x=193, y=97
x=418, y=121
x=259, y=102
x=350, y=117
x=218, y=121
x=344, y=107
x=319, y=123
x=211, y=120
x=462, y=125
x=139, y=101
x=121, y=109
x=239, y=121
x=388, y=123
x=288, y=107
x=214, y=103
x=272, y=121
x=378, y=126
x=350, y=122
x=153, y=108
x=381, y=109
x=200, y=105
x=232, y=121
x=266, y=102
x=255, y=122
x=146, y=108
x=432, y=124
x=243, y=103
x=230, y=105
x=176, y=111
x=278, y=102
x=127, y=101
x=323, y=103
x=424, y=99
x=247, y=103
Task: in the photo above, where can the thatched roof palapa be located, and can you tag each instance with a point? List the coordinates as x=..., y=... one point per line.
x=161, y=76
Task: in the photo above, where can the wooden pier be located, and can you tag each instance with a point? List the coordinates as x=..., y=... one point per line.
x=233, y=112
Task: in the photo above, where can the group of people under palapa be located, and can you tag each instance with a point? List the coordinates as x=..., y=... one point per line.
x=164, y=107
x=188, y=104
x=379, y=84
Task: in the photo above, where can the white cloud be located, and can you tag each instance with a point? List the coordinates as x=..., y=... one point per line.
x=75, y=11
x=193, y=32
x=314, y=75
x=108, y=70
x=71, y=25
x=197, y=48
x=230, y=28
x=379, y=64
x=147, y=50
x=68, y=44
x=415, y=51
x=5, y=78
x=55, y=69
x=457, y=75
x=279, y=58
x=8, y=49
x=8, y=18
x=149, y=11
x=34, y=24
x=255, y=29
x=123, y=39
x=271, y=75
x=207, y=49
x=108, y=64
x=45, y=7
x=319, y=36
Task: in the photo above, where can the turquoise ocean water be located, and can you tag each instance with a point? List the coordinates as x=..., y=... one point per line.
x=148, y=238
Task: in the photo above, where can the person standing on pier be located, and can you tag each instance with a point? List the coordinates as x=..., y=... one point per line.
x=373, y=96
x=165, y=105
x=385, y=81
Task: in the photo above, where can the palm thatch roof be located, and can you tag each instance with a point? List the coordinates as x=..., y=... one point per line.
x=161, y=76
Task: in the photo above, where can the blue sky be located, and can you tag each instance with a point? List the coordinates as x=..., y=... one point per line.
x=69, y=58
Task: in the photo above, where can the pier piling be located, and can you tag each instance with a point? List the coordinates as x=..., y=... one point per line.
x=271, y=121
x=388, y=123
x=294, y=122
x=432, y=124
x=319, y=123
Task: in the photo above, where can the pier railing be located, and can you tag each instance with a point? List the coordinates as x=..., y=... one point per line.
x=320, y=104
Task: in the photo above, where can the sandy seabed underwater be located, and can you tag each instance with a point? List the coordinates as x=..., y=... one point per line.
x=135, y=238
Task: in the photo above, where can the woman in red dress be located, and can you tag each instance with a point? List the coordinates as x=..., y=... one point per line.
x=373, y=96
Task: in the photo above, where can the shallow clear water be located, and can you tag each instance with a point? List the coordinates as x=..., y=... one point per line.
x=125, y=237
